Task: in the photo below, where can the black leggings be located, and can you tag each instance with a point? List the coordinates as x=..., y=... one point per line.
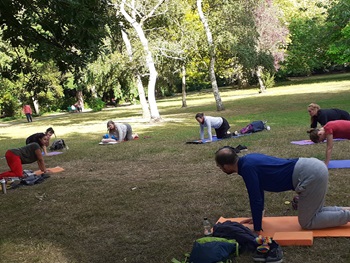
x=221, y=132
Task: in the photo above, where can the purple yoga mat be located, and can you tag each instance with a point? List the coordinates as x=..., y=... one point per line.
x=337, y=164
x=53, y=153
x=308, y=142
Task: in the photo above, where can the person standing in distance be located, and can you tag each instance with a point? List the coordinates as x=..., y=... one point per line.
x=28, y=112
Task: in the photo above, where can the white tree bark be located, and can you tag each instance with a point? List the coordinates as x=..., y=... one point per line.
x=36, y=106
x=149, y=59
x=261, y=82
x=214, y=84
x=183, y=86
x=144, y=104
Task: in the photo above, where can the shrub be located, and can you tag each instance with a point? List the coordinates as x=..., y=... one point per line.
x=96, y=104
x=268, y=79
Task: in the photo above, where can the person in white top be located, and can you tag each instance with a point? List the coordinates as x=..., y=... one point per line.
x=220, y=125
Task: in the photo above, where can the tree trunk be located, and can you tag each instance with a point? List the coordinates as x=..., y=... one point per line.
x=36, y=106
x=149, y=62
x=145, y=109
x=93, y=91
x=184, y=104
x=261, y=82
x=80, y=99
x=214, y=84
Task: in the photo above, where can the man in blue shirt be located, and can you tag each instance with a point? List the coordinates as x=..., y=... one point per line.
x=308, y=177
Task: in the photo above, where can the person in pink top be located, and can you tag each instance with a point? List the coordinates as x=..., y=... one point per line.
x=28, y=112
x=332, y=130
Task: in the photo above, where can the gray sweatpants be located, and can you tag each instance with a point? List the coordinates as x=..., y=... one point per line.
x=310, y=180
x=128, y=136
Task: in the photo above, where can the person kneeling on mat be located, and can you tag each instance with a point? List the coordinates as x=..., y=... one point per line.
x=25, y=155
x=220, y=125
x=308, y=177
x=332, y=130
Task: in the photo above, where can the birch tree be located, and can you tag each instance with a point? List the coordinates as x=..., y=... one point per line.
x=137, y=21
x=211, y=46
x=144, y=104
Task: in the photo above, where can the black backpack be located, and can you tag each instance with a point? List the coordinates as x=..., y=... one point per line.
x=58, y=145
x=245, y=237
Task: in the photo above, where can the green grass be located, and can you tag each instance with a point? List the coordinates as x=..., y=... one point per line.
x=143, y=201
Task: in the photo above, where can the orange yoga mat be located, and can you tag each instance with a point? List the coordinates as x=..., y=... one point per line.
x=271, y=225
x=56, y=169
x=287, y=231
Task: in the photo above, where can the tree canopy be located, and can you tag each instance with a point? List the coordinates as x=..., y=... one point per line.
x=57, y=49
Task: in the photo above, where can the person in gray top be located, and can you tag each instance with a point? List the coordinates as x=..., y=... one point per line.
x=24, y=155
x=122, y=131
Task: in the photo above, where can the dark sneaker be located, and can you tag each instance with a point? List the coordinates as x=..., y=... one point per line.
x=259, y=257
x=295, y=202
x=275, y=255
x=227, y=135
x=242, y=148
x=236, y=150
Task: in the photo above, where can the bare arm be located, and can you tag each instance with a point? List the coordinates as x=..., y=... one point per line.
x=41, y=162
x=45, y=150
x=329, y=148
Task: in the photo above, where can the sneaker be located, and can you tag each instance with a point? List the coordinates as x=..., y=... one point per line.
x=236, y=133
x=236, y=150
x=259, y=257
x=275, y=255
x=295, y=202
x=242, y=148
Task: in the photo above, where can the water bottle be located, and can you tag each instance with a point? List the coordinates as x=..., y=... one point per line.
x=207, y=227
x=3, y=185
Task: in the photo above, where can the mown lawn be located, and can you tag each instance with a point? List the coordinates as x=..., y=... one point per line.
x=143, y=201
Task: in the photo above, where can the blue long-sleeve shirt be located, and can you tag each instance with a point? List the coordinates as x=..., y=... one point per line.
x=264, y=173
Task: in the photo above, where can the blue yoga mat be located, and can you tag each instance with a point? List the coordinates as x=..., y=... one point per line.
x=215, y=139
x=338, y=164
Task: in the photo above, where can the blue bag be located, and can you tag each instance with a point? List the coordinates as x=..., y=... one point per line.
x=254, y=126
x=257, y=126
x=106, y=136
